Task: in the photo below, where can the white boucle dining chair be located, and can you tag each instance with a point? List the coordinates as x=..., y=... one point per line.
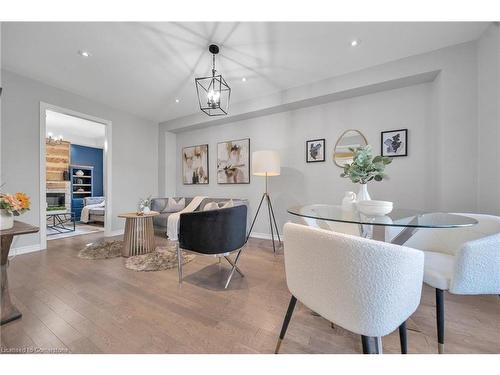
x=367, y=287
x=460, y=261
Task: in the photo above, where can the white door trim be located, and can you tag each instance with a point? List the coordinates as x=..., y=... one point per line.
x=106, y=168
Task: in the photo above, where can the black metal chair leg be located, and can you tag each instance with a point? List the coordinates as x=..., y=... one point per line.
x=288, y=316
x=402, y=338
x=365, y=341
x=440, y=319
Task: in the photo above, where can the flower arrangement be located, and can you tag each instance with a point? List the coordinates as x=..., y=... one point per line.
x=365, y=167
x=144, y=205
x=14, y=204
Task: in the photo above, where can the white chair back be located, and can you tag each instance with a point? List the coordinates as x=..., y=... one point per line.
x=476, y=252
x=450, y=240
x=367, y=287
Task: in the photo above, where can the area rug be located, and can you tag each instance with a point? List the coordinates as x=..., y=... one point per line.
x=102, y=250
x=163, y=258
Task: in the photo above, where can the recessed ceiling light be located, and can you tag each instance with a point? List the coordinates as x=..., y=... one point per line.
x=84, y=53
x=177, y=100
x=355, y=42
x=243, y=79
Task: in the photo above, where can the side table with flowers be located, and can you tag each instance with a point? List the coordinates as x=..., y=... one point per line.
x=12, y=205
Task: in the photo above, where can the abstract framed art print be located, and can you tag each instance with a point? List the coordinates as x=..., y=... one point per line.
x=233, y=162
x=195, y=165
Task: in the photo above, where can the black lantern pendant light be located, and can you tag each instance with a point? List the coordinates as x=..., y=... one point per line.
x=213, y=92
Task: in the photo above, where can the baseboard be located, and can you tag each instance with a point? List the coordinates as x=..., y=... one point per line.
x=264, y=236
x=24, y=249
x=113, y=233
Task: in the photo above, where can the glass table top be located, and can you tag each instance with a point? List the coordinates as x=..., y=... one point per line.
x=398, y=217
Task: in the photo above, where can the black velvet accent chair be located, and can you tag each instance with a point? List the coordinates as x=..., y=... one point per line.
x=216, y=233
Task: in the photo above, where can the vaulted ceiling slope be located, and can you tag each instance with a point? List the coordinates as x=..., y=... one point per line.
x=143, y=68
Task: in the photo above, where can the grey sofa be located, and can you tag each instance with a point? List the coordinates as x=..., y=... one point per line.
x=160, y=204
x=96, y=214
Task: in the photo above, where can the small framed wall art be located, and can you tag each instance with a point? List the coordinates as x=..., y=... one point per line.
x=315, y=150
x=394, y=143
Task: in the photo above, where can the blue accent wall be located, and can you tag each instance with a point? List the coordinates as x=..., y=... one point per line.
x=90, y=156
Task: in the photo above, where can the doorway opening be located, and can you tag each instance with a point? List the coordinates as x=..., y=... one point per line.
x=75, y=168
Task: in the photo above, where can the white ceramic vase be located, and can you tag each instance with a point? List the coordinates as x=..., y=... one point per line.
x=349, y=201
x=146, y=210
x=363, y=193
x=6, y=219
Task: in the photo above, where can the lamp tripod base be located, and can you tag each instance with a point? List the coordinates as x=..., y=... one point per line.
x=272, y=221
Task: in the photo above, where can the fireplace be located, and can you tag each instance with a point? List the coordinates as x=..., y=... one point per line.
x=56, y=200
x=58, y=197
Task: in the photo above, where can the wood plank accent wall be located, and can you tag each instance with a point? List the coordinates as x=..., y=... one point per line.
x=57, y=185
x=57, y=158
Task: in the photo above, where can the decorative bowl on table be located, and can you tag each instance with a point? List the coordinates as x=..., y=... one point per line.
x=374, y=208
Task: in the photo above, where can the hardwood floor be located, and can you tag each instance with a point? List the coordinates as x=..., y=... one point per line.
x=98, y=306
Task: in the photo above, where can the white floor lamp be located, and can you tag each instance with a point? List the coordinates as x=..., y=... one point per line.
x=267, y=164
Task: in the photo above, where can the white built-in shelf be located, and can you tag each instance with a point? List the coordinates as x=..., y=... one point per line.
x=82, y=192
x=75, y=175
x=82, y=184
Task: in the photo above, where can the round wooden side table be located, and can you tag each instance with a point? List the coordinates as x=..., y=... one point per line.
x=139, y=237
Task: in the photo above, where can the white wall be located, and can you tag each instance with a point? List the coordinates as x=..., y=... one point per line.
x=489, y=120
x=134, y=146
x=302, y=182
x=442, y=115
x=167, y=173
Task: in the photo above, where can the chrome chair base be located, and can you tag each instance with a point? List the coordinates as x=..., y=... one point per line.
x=234, y=264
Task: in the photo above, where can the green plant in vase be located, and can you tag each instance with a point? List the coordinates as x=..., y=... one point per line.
x=365, y=168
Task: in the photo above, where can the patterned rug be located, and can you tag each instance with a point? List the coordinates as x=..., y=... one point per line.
x=163, y=258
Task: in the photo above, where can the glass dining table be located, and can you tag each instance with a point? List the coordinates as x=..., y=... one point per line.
x=397, y=227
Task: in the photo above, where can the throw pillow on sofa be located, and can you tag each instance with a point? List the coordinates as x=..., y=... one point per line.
x=175, y=206
x=211, y=206
x=227, y=204
x=215, y=206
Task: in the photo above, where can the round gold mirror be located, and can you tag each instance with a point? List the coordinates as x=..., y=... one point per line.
x=349, y=139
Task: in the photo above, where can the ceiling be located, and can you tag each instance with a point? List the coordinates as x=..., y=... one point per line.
x=143, y=68
x=74, y=129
